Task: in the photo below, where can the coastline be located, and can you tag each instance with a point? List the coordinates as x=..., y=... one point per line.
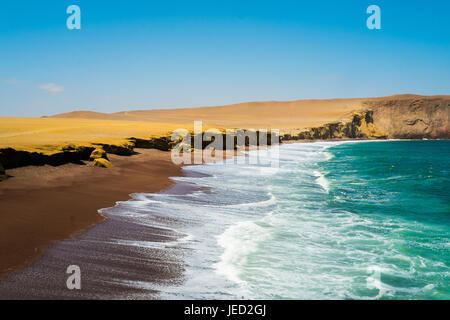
x=44, y=271
x=156, y=269
x=65, y=201
x=241, y=241
x=53, y=191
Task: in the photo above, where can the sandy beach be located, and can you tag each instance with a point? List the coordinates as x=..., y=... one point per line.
x=45, y=208
x=44, y=204
x=59, y=235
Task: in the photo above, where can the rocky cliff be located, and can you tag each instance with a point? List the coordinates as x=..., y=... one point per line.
x=360, y=126
x=413, y=118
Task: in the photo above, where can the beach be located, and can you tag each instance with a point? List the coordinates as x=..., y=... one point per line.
x=43, y=204
x=64, y=237
x=60, y=210
x=233, y=229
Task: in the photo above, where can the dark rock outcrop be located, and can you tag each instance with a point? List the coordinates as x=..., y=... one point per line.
x=11, y=158
x=120, y=150
x=160, y=143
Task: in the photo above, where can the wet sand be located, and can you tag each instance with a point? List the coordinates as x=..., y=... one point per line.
x=120, y=258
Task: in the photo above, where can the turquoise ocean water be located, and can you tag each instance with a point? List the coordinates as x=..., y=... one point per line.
x=337, y=220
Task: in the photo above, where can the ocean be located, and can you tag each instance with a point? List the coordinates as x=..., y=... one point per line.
x=336, y=220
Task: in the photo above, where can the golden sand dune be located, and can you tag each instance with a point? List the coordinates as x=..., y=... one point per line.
x=286, y=114
x=267, y=114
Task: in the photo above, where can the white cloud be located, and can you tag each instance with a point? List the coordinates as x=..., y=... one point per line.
x=51, y=87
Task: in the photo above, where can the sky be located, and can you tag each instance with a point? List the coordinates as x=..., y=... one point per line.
x=131, y=55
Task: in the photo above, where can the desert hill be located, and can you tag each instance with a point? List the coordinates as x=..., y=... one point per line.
x=268, y=114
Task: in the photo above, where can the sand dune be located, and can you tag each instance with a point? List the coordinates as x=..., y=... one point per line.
x=267, y=114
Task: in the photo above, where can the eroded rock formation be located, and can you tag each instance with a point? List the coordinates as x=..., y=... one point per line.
x=360, y=126
x=414, y=118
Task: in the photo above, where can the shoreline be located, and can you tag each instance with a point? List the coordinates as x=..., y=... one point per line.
x=51, y=192
x=69, y=183
x=93, y=246
x=38, y=187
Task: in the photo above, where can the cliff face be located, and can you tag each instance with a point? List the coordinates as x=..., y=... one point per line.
x=360, y=126
x=413, y=118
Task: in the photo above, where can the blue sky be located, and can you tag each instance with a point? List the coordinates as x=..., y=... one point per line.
x=166, y=54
